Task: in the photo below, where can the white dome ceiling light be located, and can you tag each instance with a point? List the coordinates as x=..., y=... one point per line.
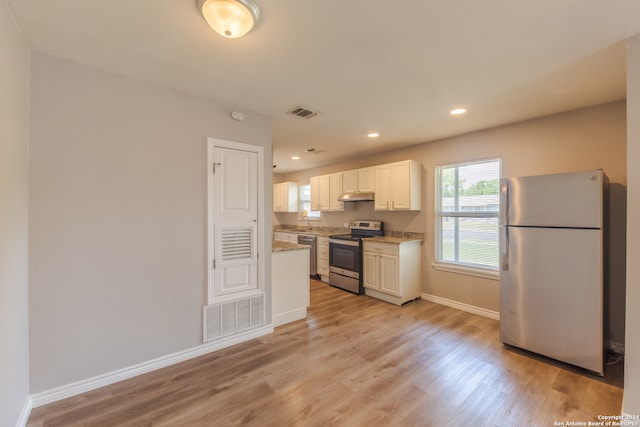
x=230, y=18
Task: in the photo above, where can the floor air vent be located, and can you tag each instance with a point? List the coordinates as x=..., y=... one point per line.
x=232, y=317
x=303, y=113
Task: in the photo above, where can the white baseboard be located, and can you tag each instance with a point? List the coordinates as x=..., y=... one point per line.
x=25, y=413
x=59, y=393
x=462, y=306
x=391, y=299
x=289, y=316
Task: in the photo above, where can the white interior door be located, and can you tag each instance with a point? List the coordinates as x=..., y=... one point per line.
x=235, y=215
x=236, y=300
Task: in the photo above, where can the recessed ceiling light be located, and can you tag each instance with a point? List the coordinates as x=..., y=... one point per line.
x=373, y=135
x=295, y=158
x=457, y=111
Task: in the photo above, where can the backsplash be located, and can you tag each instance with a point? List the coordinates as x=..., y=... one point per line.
x=413, y=221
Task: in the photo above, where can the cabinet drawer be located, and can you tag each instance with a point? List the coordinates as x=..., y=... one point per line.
x=381, y=248
x=323, y=252
x=284, y=236
x=280, y=236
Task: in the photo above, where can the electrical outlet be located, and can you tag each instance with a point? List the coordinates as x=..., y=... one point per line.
x=346, y=225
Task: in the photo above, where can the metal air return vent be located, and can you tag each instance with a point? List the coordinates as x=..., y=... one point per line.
x=233, y=317
x=303, y=113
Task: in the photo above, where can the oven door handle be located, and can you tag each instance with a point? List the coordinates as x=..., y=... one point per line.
x=344, y=242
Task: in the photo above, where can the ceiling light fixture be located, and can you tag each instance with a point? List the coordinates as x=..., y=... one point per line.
x=230, y=18
x=373, y=135
x=457, y=111
x=295, y=158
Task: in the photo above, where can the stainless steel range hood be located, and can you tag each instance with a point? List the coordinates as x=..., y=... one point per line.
x=356, y=197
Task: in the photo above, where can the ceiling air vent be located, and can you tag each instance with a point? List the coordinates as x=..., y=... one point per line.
x=303, y=113
x=313, y=151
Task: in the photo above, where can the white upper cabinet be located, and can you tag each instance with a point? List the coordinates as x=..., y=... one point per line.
x=405, y=183
x=325, y=190
x=335, y=191
x=398, y=186
x=285, y=197
x=358, y=181
x=381, y=188
x=350, y=181
x=320, y=193
x=365, y=180
x=314, y=183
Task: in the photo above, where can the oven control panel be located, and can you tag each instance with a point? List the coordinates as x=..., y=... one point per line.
x=365, y=225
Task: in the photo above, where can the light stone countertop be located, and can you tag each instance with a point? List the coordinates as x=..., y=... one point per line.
x=278, y=246
x=318, y=231
x=398, y=237
x=394, y=237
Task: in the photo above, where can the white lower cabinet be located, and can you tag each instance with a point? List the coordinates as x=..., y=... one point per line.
x=289, y=285
x=285, y=236
x=392, y=272
x=322, y=265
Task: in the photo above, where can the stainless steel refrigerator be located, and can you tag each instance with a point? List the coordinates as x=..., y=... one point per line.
x=552, y=266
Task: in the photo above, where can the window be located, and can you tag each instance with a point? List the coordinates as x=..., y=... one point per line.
x=467, y=207
x=305, y=203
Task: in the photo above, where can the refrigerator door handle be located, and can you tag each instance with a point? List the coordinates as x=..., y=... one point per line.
x=504, y=202
x=504, y=255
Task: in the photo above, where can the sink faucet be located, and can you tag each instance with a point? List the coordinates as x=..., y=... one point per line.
x=305, y=215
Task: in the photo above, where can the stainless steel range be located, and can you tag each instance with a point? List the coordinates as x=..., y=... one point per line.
x=345, y=255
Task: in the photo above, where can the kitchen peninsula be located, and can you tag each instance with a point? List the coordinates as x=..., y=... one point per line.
x=290, y=282
x=391, y=269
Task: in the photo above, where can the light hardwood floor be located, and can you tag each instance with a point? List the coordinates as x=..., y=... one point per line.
x=356, y=361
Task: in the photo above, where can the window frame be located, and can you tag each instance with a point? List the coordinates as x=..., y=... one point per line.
x=478, y=270
x=311, y=215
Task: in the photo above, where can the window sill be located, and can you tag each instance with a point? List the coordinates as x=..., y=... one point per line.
x=467, y=270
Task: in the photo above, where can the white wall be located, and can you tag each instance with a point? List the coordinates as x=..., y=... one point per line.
x=631, y=400
x=584, y=139
x=118, y=218
x=14, y=333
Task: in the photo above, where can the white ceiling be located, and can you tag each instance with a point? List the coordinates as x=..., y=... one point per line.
x=395, y=67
